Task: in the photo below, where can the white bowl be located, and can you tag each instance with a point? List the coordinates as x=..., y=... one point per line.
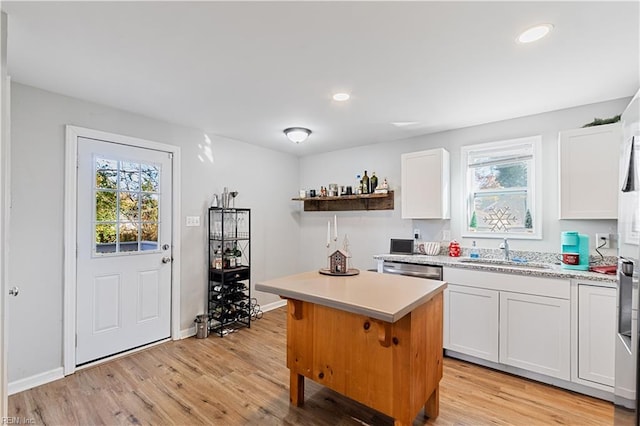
x=429, y=248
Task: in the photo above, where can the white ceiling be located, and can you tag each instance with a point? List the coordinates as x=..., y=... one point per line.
x=247, y=70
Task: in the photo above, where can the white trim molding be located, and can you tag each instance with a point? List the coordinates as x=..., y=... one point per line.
x=274, y=305
x=70, y=238
x=35, y=380
x=5, y=204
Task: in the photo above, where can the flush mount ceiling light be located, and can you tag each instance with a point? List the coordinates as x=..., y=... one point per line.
x=297, y=134
x=534, y=33
x=341, y=97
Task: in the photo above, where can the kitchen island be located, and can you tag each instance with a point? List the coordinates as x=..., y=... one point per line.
x=375, y=338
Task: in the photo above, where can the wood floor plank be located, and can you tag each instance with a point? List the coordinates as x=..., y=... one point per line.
x=242, y=379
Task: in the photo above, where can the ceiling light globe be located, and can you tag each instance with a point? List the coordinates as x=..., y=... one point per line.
x=297, y=134
x=534, y=33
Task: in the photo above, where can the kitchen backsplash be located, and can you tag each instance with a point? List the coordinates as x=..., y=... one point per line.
x=530, y=256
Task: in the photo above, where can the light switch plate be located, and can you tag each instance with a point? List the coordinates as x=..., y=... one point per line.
x=193, y=220
x=446, y=235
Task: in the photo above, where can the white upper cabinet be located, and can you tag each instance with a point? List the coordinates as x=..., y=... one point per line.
x=589, y=172
x=425, y=184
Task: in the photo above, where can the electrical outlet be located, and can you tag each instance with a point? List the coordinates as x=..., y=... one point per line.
x=193, y=221
x=603, y=240
x=416, y=234
x=446, y=235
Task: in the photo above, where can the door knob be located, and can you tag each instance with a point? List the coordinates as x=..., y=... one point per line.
x=13, y=291
x=166, y=259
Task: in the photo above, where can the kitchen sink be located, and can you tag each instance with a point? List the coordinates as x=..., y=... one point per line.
x=508, y=263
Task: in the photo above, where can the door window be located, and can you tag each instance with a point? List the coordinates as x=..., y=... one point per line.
x=126, y=206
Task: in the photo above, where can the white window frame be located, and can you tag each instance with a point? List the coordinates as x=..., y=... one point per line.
x=534, y=188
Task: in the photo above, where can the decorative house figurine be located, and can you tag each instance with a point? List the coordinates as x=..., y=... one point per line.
x=338, y=262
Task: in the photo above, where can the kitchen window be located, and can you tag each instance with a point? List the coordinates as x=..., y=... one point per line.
x=501, y=189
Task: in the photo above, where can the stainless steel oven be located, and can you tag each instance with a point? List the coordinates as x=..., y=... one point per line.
x=626, y=363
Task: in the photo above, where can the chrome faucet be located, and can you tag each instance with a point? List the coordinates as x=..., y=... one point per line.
x=505, y=246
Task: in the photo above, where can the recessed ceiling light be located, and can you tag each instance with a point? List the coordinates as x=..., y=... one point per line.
x=534, y=33
x=341, y=97
x=404, y=123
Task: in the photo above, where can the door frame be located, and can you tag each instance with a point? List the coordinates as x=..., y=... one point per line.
x=5, y=205
x=70, y=237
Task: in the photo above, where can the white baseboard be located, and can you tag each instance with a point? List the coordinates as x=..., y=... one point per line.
x=189, y=332
x=273, y=305
x=37, y=380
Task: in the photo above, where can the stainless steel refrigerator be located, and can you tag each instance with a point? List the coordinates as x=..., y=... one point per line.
x=627, y=367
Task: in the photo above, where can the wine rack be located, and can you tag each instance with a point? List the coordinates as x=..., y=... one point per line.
x=229, y=277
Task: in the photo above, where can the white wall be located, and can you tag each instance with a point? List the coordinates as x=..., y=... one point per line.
x=262, y=177
x=369, y=231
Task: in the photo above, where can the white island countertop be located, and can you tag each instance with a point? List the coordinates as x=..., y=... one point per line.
x=385, y=297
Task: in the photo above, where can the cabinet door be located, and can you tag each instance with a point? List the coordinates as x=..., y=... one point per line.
x=425, y=184
x=471, y=321
x=589, y=166
x=534, y=334
x=596, y=334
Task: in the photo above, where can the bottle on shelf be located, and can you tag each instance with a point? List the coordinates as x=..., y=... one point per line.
x=365, y=183
x=474, y=251
x=358, y=187
x=237, y=253
x=374, y=182
x=217, y=258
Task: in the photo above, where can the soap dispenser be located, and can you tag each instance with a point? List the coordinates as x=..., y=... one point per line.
x=474, y=251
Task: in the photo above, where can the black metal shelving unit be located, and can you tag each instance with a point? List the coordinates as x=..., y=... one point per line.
x=229, y=277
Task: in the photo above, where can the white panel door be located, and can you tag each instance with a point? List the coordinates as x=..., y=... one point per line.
x=124, y=256
x=471, y=321
x=534, y=334
x=596, y=334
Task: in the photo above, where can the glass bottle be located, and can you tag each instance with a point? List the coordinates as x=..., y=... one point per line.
x=237, y=253
x=374, y=182
x=358, y=188
x=217, y=258
x=365, y=183
x=474, y=251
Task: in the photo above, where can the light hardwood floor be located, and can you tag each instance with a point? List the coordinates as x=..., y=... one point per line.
x=242, y=379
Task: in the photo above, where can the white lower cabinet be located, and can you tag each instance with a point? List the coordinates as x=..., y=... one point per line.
x=535, y=334
x=471, y=321
x=596, y=334
x=512, y=320
x=539, y=327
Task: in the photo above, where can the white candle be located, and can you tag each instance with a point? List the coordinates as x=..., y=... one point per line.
x=328, y=233
x=335, y=227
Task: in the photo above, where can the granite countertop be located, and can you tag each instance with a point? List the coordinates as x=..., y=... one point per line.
x=550, y=270
x=368, y=293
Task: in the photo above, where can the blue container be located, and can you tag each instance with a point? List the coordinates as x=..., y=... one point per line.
x=575, y=243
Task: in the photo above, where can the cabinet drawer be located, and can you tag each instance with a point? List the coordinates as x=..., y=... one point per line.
x=550, y=287
x=234, y=274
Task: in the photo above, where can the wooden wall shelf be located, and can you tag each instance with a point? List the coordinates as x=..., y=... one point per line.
x=348, y=202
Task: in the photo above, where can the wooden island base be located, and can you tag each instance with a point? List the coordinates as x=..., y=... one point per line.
x=394, y=368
